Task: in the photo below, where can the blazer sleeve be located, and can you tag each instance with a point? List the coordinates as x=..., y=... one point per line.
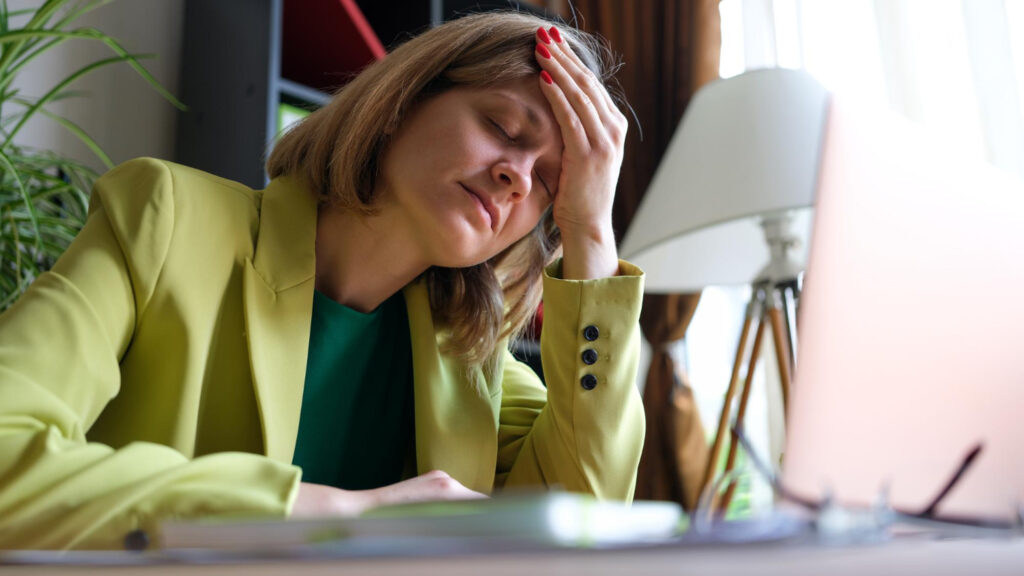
x=585, y=432
x=60, y=347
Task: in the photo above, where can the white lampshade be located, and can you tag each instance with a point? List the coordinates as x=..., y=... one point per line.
x=747, y=147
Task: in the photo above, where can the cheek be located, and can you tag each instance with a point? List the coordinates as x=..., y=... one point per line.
x=524, y=221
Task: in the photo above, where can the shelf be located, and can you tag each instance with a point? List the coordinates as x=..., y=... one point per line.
x=295, y=93
x=326, y=42
x=242, y=58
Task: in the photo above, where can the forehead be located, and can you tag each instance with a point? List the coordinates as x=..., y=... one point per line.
x=522, y=96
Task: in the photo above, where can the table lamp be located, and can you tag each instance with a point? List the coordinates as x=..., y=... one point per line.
x=730, y=203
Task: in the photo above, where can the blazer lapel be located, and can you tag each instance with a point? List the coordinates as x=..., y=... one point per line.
x=278, y=299
x=456, y=407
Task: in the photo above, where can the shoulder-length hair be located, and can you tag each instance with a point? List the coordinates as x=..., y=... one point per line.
x=339, y=147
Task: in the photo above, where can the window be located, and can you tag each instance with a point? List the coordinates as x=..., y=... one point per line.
x=954, y=66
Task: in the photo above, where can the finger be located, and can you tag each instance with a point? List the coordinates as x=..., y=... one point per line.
x=580, y=103
x=583, y=76
x=610, y=112
x=465, y=494
x=580, y=74
x=574, y=135
x=442, y=486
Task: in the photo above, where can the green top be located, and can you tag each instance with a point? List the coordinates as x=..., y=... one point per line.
x=356, y=425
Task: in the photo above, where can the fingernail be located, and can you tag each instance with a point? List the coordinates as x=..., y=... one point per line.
x=556, y=35
x=543, y=35
x=546, y=77
x=543, y=51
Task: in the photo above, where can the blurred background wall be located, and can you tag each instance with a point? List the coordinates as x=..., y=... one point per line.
x=125, y=116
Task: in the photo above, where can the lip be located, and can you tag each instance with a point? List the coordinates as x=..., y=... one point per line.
x=489, y=206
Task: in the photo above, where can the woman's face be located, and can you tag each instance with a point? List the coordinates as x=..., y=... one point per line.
x=472, y=170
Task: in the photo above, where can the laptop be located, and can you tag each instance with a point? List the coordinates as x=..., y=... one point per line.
x=910, y=325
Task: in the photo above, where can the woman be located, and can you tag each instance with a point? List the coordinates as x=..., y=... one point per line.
x=339, y=340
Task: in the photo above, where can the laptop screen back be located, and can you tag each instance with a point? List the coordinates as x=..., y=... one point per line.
x=910, y=324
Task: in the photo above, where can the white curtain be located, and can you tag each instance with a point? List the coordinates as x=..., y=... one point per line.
x=956, y=66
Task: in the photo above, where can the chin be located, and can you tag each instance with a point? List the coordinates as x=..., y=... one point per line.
x=466, y=258
x=456, y=261
x=460, y=248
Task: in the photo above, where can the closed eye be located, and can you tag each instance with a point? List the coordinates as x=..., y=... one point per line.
x=504, y=134
x=508, y=138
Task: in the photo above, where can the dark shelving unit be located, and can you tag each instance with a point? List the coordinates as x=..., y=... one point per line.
x=242, y=58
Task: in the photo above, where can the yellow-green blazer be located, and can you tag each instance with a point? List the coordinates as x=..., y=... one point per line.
x=157, y=371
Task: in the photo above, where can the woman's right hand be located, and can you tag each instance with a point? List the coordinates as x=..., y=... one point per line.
x=317, y=500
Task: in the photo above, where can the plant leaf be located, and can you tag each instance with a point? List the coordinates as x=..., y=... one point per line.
x=88, y=34
x=39, y=19
x=76, y=14
x=4, y=160
x=79, y=133
x=37, y=105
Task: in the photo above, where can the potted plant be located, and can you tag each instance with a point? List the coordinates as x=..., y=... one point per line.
x=43, y=196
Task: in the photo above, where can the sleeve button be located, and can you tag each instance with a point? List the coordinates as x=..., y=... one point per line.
x=589, y=356
x=136, y=540
x=591, y=333
x=589, y=382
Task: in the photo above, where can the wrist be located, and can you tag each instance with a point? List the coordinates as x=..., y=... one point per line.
x=587, y=234
x=589, y=255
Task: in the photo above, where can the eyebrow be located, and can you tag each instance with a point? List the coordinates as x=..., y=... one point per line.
x=531, y=114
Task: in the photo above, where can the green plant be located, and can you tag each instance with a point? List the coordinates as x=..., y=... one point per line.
x=43, y=196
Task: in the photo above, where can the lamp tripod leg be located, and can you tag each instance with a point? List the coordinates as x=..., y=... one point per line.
x=723, y=421
x=780, y=332
x=790, y=303
x=741, y=411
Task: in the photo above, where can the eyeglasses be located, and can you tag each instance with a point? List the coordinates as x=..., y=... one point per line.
x=832, y=519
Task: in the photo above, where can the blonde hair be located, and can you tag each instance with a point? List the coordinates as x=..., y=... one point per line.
x=338, y=149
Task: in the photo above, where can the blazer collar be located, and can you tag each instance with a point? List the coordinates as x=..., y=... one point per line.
x=285, y=247
x=278, y=300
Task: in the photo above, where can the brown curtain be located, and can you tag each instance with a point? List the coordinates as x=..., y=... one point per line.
x=670, y=48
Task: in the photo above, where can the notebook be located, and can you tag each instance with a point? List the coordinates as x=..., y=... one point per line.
x=547, y=519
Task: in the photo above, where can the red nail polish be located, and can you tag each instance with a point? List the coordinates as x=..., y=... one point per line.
x=556, y=35
x=546, y=77
x=543, y=35
x=543, y=51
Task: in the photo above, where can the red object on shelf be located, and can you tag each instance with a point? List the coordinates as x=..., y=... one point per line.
x=326, y=42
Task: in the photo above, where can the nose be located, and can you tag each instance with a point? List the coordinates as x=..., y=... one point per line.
x=513, y=178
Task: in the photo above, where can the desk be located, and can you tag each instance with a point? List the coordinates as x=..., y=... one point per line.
x=911, y=556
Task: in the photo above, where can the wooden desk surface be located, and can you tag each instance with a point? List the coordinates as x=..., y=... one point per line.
x=932, y=558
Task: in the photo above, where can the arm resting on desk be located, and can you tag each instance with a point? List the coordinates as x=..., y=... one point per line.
x=585, y=432
x=60, y=348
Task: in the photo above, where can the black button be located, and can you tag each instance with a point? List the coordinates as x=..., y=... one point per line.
x=591, y=333
x=589, y=382
x=589, y=357
x=136, y=540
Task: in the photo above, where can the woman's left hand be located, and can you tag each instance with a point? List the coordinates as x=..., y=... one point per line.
x=593, y=133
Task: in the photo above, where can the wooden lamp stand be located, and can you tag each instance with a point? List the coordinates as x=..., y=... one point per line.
x=773, y=302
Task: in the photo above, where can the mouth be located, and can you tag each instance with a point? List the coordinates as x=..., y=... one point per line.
x=489, y=208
